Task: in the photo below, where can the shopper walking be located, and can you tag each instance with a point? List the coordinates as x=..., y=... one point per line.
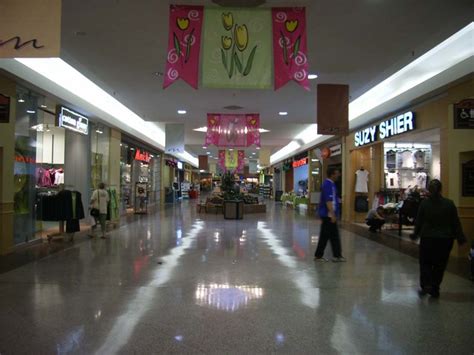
x=98, y=205
x=437, y=225
x=328, y=211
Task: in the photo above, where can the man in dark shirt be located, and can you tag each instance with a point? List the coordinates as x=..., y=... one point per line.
x=328, y=211
x=437, y=225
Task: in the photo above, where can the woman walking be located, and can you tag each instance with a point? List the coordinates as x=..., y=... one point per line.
x=437, y=225
x=98, y=204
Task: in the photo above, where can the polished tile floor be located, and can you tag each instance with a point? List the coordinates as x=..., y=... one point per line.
x=180, y=282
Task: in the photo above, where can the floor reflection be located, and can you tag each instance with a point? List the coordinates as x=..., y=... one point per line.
x=226, y=297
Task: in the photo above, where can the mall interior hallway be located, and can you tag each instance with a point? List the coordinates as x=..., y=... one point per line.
x=182, y=282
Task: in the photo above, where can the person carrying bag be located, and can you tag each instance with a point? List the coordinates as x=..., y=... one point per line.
x=98, y=209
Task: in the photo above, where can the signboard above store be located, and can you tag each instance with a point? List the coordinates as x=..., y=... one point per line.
x=301, y=162
x=386, y=129
x=72, y=120
x=142, y=156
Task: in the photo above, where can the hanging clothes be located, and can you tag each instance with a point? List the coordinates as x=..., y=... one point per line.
x=362, y=179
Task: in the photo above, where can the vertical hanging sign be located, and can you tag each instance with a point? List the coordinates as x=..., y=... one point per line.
x=289, y=46
x=184, y=43
x=174, y=138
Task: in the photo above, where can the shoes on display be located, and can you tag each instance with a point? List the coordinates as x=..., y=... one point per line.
x=321, y=259
x=340, y=259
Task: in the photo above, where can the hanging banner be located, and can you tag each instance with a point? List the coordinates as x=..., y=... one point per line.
x=232, y=161
x=30, y=29
x=237, y=48
x=333, y=109
x=212, y=168
x=174, y=138
x=233, y=130
x=203, y=162
x=184, y=43
x=290, y=52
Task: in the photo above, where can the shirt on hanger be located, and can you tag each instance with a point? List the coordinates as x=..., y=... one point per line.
x=419, y=159
x=406, y=158
x=421, y=179
x=392, y=181
x=362, y=178
x=59, y=178
x=391, y=157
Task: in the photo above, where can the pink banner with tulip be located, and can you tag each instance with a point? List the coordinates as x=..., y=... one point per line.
x=232, y=161
x=289, y=46
x=225, y=130
x=184, y=43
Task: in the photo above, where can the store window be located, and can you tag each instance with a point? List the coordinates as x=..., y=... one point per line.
x=39, y=163
x=315, y=169
x=140, y=182
x=100, y=147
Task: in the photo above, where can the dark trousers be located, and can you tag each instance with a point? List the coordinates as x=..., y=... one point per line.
x=329, y=231
x=434, y=256
x=375, y=223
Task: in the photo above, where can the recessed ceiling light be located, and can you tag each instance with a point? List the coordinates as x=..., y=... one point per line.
x=283, y=113
x=181, y=112
x=258, y=148
x=200, y=129
x=21, y=100
x=157, y=73
x=231, y=149
x=312, y=76
x=208, y=153
x=253, y=153
x=98, y=131
x=263, y=130
x=44, y=106
x=204, y=147
x=30, y=111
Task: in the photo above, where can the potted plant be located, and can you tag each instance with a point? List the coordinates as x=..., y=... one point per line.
x=233, y=203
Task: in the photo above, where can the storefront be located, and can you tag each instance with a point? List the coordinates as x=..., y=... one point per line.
x=52, y=154
x=140, y=176
x=390, y=161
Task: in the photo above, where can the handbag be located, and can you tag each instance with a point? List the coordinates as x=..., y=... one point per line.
x=95, y=212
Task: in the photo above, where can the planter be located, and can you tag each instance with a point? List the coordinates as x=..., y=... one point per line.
x=233, y=209
x=258, y=208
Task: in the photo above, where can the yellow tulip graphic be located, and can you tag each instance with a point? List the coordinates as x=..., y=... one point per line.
x=291, y=25
x=226, y=42
x=241, y=37
x=227, y=20
x=183, y=23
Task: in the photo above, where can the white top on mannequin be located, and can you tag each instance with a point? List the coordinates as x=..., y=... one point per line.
x=362, y=179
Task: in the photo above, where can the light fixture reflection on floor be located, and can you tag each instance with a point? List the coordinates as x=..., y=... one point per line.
x=226, y=297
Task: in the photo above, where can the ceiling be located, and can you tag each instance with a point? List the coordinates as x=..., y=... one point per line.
x=121, y=45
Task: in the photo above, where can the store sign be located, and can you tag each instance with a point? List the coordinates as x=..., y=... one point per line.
x=171, y=163
x=464, y=114
x=300, y=162
x=4, y=109
x=73, y=121
x=386, y=129
x=142, y=156
x=336, y=150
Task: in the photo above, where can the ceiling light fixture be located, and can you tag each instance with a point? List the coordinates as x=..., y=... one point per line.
x=30, y=111
x=312, y=76
x=98, y=131
x=283, y=113
x=208, y=153
x=44, y=106
x=181, y=112
x=21, y=100
x=258, y=148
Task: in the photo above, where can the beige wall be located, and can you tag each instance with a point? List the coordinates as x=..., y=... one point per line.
x=7, y=153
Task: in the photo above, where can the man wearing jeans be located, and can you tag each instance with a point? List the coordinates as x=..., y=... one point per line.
x=328, y=210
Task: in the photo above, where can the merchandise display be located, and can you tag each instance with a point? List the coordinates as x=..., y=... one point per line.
x=362, y=179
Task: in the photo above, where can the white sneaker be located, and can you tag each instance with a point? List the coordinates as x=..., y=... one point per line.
x=339, y=260
x=321, y=259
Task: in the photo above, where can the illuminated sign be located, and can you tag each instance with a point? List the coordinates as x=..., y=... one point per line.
x=386, y=129
x=301, y=162
x=142, y=156
x=73, y=121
